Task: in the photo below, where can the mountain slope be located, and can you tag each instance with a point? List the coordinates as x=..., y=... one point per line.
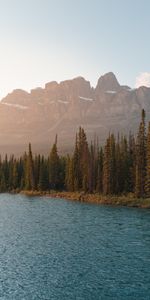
x=62, y=107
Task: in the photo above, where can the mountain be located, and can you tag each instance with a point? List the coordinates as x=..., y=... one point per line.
x=61, y=108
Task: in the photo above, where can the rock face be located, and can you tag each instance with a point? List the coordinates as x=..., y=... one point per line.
x=107, y=82
x=62, y=107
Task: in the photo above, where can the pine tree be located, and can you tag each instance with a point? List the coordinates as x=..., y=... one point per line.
x=54, y=167
x=109, y=166
x=147, y=183
x=83, y=159
x=69, y=178
x=6, y=173
x=37, y=162
x=94, y=156
x=99, y=177
x=75, y=171
x=141, y=159
x=132, y=162
x=23, y=172
x=112, y=164
x=29, y=172
x=15, y=177
x=122, y=166
x=119, y=168
x=106, y=168
x=125, y=163
x=43, y=184
x=62, y=172
x=92, y=175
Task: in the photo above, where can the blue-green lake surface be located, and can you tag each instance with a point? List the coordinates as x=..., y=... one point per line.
x=58, y=249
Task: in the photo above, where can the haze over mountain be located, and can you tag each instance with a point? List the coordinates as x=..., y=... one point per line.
x=62, y=107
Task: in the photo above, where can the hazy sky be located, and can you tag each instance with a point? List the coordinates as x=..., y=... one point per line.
x=45, y=40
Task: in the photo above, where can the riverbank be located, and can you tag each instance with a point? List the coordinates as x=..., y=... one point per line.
x=129, y=200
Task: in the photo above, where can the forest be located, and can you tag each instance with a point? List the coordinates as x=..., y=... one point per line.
x=119, y=167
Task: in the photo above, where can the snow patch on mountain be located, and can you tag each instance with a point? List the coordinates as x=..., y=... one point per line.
x=62, y=101
x=15, y=105
x=85, y=98
x=110, y=92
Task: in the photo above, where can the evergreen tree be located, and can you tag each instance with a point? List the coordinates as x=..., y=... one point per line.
x=106, y=168
x=119, y=168
x=62, y=172
x=29, y=175
x=94, y=170
x=141, y=159
x=69, y=177
x=125, y=158
x=54, y=167
x=15, y=177
x=99, y=177
x=83, y=153
x=122, y=166
x=147, y=183
x=6, y=173
x=132, y=162
x=75, y=171
x=43, y=184
x=112, y=164
x=37, y=162
x=23, y=172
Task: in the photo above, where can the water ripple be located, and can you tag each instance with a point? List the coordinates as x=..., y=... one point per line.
x=66, y=250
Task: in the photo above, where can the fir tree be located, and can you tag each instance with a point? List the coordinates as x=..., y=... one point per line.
x=69, y=178
x=99, y=177
x=15, y=177
x=141, y=159
x=122, y=166
x=29, y=175
x=43, y=176
x=147, y=183
x=106, y=168
x=54, y=167
x=75, y=171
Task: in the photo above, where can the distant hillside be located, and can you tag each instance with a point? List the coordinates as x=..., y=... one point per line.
x=62, y=107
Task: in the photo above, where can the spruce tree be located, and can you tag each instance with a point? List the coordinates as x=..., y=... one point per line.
x=15, y=177
x=106, y=168
x=141, y=159
x=43, y=176
x=84, y=159
x=132, y=162
x=75, y=171
x=99, y=177
x=112, y=164
x=147, y=183
x=69, y=177
x=29, y=175
x=54, y=167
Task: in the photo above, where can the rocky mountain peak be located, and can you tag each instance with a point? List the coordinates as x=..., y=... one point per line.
x=17, y=96
x=51, y=85
x=77, y=81
x=60, y=108
x=107, y=82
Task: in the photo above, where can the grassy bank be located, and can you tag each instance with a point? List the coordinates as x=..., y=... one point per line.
x=128, y=200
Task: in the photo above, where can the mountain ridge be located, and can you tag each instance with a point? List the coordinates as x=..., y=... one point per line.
x=37, y=116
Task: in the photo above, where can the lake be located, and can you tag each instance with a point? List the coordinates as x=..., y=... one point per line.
x=58, y=249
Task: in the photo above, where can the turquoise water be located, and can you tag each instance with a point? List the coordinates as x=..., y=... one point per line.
x=57, y=249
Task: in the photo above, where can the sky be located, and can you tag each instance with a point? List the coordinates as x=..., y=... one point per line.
x=46, y=40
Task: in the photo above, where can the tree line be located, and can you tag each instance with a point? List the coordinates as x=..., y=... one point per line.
x=121, y=166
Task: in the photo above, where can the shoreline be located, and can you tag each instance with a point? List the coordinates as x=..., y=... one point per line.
x=128, y=200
